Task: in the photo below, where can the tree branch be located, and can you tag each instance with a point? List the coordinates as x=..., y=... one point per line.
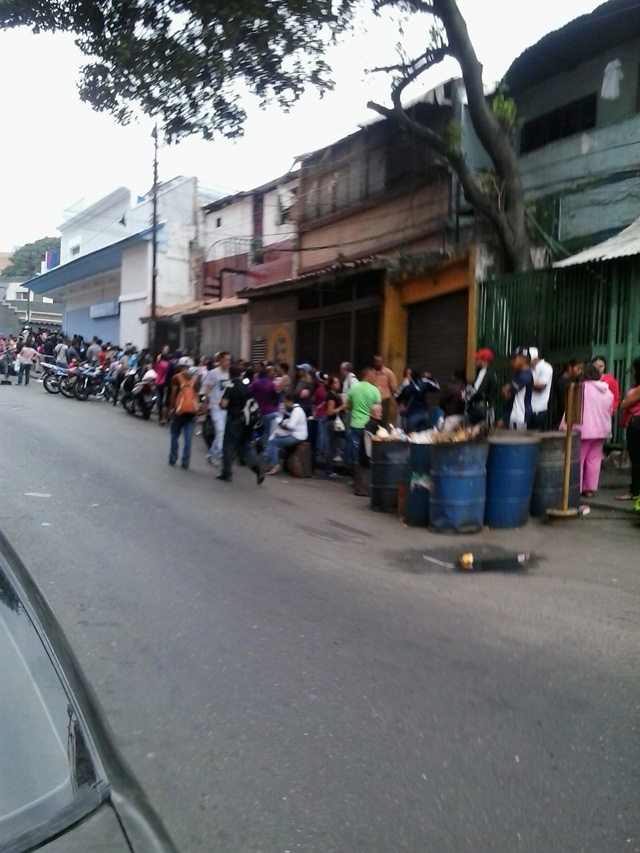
x=424, y=6
x=473, y=192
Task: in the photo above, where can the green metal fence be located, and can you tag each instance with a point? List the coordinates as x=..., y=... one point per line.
x=581, y=311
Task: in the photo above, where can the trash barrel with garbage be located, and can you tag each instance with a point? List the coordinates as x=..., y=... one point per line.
x=511, y=467
x=458, y=472
x=418, y=485
x=388, y=468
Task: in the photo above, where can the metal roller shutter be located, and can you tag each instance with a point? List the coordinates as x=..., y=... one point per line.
x=437, y=339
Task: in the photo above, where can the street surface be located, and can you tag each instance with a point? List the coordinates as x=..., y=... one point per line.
x=285, y=672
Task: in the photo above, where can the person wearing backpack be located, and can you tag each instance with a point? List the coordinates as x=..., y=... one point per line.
x=184, y=403
x=243, y=415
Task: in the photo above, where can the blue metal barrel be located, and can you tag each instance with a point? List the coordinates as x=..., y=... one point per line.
x=511, y=467
x=458, y=484
x=549, y=477
x=388, y=468
x=416, y=501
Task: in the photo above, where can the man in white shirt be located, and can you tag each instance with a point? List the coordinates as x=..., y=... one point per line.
x=213, y=387
x=292, y=431
x=542, y=382
x=349, y=379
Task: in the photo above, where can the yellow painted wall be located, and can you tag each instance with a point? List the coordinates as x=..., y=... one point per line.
x=455, y=274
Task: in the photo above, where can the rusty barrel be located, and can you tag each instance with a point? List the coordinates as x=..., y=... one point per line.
x=548, y=479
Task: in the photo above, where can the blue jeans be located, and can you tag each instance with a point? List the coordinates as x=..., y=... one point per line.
x=354, y=441
x=273, y=447
x=270, y=425
x=181, y=424
x=418, y=421
x=330, y=441
x=318, y=450
x=26, y=370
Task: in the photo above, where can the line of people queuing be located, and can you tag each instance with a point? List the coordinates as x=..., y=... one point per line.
x=332, y=411
x=529, y=392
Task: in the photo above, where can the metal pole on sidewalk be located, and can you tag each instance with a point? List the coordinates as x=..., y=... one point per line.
x=154, y=245
x=573, y=415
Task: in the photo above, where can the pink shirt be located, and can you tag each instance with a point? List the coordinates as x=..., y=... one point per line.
x=26, y=355
x=596, y=410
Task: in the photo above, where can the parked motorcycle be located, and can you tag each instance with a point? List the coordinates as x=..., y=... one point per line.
x=90, y=381
x=126, y=387
x=143, y=397
x=51, y=378
x=68, y=380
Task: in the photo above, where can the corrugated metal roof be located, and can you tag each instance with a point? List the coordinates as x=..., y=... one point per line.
x=626, y=244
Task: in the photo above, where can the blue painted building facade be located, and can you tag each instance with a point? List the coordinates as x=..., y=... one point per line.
x=578, y=96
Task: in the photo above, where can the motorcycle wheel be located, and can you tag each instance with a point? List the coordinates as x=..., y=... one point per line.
x=145, y=410
x=51, y=384
x=129, y=406
x=81, y=389
x=66, y=387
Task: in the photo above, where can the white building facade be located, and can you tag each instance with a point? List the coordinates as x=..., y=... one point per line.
x=105, y=276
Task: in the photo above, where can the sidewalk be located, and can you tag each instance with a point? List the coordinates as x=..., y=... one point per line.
x=612, y=483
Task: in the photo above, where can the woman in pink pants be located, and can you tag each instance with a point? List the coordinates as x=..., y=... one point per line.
x=594, y=429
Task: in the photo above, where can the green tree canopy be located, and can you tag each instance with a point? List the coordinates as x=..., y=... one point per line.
x=183, y=61
x=25, y=261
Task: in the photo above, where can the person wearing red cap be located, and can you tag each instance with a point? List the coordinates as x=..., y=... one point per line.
x=481, y=393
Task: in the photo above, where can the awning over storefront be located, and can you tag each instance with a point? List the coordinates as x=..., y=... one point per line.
x=197, y=307
x=85, y=266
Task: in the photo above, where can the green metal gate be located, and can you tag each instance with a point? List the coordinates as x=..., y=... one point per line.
x=581, y=311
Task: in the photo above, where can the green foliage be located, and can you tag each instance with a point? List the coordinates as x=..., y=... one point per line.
x=185, y=62
x=504, y=108
x=453, y=137
x=492, y=186
x=25, y=261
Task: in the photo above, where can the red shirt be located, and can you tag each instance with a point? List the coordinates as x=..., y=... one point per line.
x=613, y=385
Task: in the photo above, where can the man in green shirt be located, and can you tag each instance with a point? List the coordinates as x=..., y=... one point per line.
x=359, y=400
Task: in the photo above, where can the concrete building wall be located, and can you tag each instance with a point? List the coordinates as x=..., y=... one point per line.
x=587, y=185
x=76, y=319
x=94, y=227
x=228, y=231
x=224, y=332
x=391, y=224
x=278, y=201
x=135, y=293
x=581, y=81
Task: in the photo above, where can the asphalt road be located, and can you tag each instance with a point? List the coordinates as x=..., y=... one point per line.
x=286, y=672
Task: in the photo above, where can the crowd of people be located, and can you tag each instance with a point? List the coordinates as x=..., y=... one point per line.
x=332, y=412
x=532, y=388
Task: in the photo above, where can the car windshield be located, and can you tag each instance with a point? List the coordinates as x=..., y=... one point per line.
x=46, y=768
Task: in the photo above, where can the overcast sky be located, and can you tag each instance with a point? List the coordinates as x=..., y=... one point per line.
x=56, y=151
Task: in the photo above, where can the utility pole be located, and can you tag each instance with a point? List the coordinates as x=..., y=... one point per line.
x=154, y=245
